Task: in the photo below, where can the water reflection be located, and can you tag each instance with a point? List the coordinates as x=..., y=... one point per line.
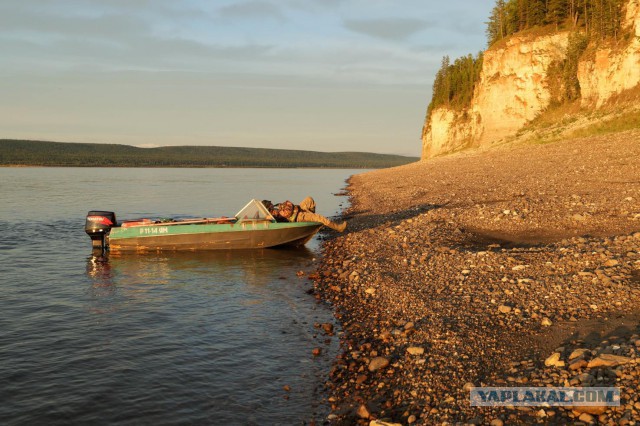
x=135, y=274
x=141, y=264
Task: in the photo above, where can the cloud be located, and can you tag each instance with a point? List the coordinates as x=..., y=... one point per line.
x=252, y=10
x=396, y=29
x=112, y=40
x=313, y=5
x=88, y=26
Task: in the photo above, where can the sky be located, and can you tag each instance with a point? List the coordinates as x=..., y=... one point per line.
x=323, y=75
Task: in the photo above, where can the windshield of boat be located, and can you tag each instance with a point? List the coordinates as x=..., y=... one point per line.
x=254, y=211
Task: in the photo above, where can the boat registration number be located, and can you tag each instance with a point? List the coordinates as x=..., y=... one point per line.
x=154, y=231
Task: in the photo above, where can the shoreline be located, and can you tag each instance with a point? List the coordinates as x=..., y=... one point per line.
x=17, y=166
x=475, y=269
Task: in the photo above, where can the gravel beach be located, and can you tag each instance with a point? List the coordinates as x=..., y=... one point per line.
x=518, y=266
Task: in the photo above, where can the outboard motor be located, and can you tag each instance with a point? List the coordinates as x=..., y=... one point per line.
x=98, y=225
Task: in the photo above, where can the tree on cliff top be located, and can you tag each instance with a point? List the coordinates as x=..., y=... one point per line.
x=558, y=11
x=601, y=19
x=455, y=83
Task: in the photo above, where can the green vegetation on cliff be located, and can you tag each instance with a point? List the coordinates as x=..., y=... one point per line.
x=562, y=75
x=590, y=20
x=39, y=153
x=455, y=82
x=600, y=19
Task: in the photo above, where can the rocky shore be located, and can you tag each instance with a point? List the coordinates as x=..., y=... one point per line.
x=512, y=267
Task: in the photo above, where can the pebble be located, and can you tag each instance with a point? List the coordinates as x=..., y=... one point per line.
x=363, y=412
x=415, y=351
x=587, y=418
x=504, y=309
x=381, y=423
x=378, y=363
x=328, y=328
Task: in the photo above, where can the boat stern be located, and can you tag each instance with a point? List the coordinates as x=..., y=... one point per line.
x=97, y=225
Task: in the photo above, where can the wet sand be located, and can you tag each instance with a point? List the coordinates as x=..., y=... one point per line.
x=476, y=268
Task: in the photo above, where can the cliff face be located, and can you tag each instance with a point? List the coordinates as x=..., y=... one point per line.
x=613, y=71
x=511, y=92
x=512, y=89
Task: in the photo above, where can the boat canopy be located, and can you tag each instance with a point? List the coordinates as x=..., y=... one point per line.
x=254, y=210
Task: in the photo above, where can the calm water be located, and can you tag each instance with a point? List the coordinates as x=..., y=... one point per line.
x=195, y=338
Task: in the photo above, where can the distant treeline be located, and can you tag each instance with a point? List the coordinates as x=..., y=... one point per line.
x=591, y=21
x=58, y=154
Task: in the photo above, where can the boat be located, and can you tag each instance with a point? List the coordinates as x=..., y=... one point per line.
x=253, y=227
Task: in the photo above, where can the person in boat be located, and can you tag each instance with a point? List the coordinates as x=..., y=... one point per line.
x=303, y=212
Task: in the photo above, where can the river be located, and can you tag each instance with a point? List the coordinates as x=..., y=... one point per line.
x=172, y=338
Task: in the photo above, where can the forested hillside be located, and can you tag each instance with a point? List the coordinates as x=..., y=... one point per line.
x=39, y=153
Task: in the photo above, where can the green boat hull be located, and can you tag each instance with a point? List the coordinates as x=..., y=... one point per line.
x=210, y=236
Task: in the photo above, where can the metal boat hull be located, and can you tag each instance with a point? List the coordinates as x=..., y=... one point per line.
x=243, y=235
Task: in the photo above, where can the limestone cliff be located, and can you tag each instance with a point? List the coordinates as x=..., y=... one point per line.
x=513, y=87
x=613, y=70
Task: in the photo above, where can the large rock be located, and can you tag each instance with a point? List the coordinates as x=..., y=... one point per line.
x=589, y=410
x=578, y=364
x=585, y=379
x=577, y=353
x=608, y=360
x=554, y=361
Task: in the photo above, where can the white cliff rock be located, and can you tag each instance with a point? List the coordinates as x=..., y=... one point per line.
x=513, y=89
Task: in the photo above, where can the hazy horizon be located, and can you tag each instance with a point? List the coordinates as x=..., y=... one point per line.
x=319, y=75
